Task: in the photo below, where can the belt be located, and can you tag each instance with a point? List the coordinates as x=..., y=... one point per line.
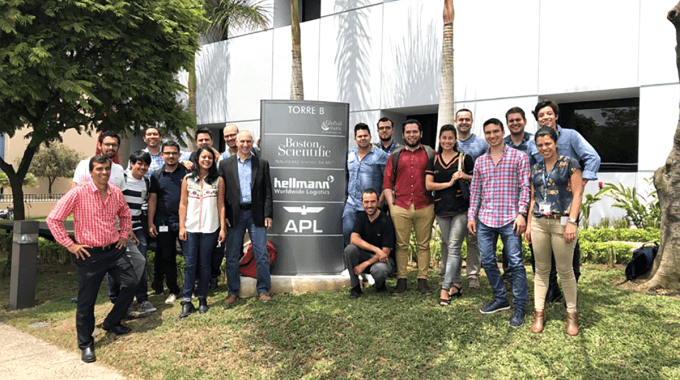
x=554, y=216
x=246, y=206
x=105, y=247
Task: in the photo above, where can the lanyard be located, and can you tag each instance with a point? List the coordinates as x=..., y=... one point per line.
x=545, y=180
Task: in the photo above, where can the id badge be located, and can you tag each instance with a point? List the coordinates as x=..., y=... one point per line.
x=162, y=228
x=564, y=220
x=544, y=208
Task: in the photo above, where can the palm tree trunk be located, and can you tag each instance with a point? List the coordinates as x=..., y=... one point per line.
x=446, y=96
x=296, y=85
x=666, y=270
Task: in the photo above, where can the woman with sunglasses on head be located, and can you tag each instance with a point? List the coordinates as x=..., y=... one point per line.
x=556, y=192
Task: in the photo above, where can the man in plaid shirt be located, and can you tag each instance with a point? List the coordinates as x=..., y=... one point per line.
x=99, y=249
x=499, y=198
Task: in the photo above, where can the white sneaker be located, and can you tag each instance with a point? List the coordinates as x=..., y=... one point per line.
x=146, y=307
x=171, y=299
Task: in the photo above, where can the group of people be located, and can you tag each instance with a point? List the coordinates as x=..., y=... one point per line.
x=476, y=189
x=203, y=198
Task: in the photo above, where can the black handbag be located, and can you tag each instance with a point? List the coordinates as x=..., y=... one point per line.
x=464, y=185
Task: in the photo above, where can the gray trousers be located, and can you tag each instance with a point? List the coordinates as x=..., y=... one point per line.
x=354, y=256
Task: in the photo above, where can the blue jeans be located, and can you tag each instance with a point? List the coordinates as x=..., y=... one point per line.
x=487, y=238
x=141, y=292
x=349, y=216
x=258, y=236
x=198, y=252
x=454, y=230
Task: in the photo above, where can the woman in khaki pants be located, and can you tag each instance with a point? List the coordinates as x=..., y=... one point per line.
x=556, y=191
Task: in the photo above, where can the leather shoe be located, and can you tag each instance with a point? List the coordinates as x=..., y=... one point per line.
x=231, y=299
x=400, y=289
x=88, y=355
x=187, y=309
x=539, y=321
x=203, y=306
x=118, y=329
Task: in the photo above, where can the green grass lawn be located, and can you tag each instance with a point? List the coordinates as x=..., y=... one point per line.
x=624, y=335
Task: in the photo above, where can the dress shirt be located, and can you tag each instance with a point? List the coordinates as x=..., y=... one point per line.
x=571, y=143
x=392, y=147
x=522, y=145
x=554, y=187
x=365, y=174
x=156, y=162
x=473, y=146
x=409, y=186
x=502, y=189
x=94, y=219
x=245, y=177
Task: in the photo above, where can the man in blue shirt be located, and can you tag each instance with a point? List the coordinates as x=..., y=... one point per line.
x=473, y=147
x=569, y=143
x=365, y=165
x=517, y=139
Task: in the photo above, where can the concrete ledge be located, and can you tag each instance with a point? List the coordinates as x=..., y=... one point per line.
x=297, y=284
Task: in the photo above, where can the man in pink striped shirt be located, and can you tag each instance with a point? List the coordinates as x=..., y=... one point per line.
x=99, y=249
x=499, y=200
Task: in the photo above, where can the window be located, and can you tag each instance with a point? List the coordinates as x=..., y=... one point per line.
x=610, y=126
x=310, y=9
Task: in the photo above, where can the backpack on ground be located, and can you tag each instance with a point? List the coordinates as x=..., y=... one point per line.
x=247, y=265
x=642, y=261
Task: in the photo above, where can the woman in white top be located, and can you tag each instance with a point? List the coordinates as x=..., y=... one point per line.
x=201, y=225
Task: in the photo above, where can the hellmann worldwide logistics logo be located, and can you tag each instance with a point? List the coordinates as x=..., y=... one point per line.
x=293, y=185
x=331, y=126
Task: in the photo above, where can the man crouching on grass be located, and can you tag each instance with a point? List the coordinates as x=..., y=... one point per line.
x=99, y=249
x=370, y=245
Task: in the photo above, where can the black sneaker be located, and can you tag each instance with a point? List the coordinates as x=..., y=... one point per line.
x=382, y=288
x=355, y=292
x=423, y=288
x=517, y=319
x=400, y=289
x=495, y=306
x=213, y=284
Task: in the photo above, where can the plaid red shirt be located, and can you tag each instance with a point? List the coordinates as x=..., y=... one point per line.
x=94, y=219
x=410, y=181
x=503, y=188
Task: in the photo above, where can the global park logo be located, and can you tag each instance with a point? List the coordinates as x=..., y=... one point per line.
x=331, y=126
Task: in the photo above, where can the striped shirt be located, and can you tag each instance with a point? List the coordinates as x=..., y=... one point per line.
x=502, y=189
x=94, y=218
x=135, y=194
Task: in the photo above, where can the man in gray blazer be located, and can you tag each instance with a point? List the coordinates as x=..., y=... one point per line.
x=248, y=203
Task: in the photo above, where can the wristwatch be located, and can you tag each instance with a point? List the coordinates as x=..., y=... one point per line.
x=572, y=221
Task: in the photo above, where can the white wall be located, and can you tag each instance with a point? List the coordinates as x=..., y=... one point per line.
x=384, y=58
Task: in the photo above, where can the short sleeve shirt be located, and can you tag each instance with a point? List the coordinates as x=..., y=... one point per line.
x=449, y=201
x=168, y=186
x=554, y=187
x=379, y=233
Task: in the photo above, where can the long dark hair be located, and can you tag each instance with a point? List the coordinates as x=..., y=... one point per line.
x=212, y=175
x=445, y=128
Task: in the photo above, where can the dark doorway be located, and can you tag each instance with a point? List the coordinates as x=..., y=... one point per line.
x=429, y=122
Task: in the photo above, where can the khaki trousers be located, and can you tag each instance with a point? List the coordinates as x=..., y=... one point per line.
x=547, y=235
x=421, y=220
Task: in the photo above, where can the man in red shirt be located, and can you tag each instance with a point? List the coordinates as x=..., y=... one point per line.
x=99, y=249
x=411, y=205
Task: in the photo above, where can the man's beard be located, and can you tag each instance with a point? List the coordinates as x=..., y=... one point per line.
x=386, y=140
x=412, y=145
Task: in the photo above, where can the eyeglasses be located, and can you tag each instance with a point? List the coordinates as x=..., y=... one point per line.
x=170, y=153
x=110, y=145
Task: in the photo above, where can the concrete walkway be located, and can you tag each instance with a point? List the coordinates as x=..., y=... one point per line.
x=23, y=356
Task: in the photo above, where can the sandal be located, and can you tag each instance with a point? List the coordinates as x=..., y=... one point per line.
x=459, y=291
x=444, y=301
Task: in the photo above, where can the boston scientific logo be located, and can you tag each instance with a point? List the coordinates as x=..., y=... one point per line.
x=331, y=126
x=295, y=186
